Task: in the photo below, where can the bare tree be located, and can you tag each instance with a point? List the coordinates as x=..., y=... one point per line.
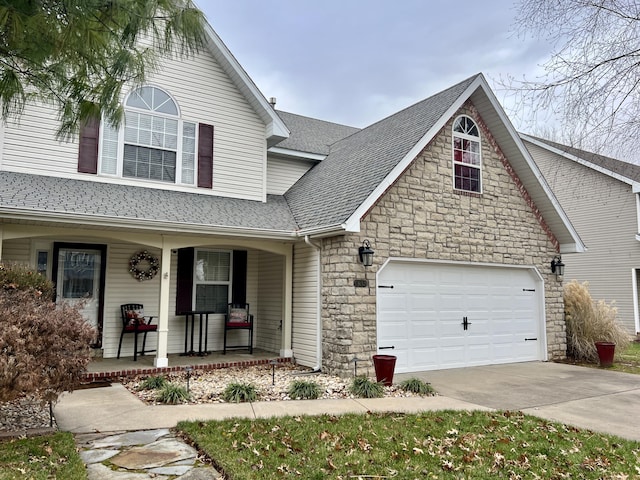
x=591, y=82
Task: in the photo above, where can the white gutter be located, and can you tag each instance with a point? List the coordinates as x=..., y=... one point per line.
x=318, y=249
x=285, y=152
x=326, y=231
x=114, y=222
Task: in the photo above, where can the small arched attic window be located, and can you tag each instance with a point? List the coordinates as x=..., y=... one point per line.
x=467, y=162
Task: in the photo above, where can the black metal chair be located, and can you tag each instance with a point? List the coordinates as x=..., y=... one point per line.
x=134, y=321
x=238, y=318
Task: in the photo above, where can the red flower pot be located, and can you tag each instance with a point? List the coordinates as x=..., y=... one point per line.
x=606, y=351
x=384, y=366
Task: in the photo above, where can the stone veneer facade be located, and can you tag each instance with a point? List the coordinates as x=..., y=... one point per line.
x=421, y=216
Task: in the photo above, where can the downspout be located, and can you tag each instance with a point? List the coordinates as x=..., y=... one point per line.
x=318, y=248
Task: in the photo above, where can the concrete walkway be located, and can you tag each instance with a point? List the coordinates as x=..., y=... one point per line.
x=113, y=426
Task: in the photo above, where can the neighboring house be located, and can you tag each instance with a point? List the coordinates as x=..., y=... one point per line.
x=600, y=196
x=240, y=202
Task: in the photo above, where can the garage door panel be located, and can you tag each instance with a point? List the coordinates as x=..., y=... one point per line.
x=429, y=301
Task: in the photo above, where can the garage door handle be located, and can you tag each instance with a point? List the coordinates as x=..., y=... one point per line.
x=386, y=348
x=385, y=286
x=465, y=323
x=530, y=339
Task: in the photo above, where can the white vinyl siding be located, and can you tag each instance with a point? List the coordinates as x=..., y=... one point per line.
x=268, y=333
x=603, y=211
x=306, y=289
x=17, y=251
x=282, y=174
x=239, y=170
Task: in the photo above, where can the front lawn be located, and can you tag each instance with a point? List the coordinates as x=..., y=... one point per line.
x=44, y=457
x=442, y=444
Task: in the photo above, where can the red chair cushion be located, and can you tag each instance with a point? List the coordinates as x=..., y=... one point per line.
x=143, y=327
x=238, y=324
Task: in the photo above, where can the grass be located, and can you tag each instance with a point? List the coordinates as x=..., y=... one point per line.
x=364, y=388
x=173, y=394
x=629, y=360
x=238, y=392
x=304, y=390
x=45, y=457
x=430, y=445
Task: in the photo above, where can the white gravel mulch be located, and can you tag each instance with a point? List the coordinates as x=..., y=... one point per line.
x=207, y=386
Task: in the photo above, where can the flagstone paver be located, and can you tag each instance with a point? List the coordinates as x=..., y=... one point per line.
x=141, y=455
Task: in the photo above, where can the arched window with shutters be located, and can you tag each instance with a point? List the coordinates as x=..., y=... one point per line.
x=155, y=143
x=467, y=161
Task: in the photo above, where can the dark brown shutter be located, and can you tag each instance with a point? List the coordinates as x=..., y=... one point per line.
x=184, y=290
x=88, y=149
x=239, y=283
x=205, y=156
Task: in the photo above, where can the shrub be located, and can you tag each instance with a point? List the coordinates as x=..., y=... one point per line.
x=153, y=383
x=364, y=388
x=240, y=392
x=304, y=390
x=173, y=394
x=415, y=385
x=44, y=347
x=589, y=322
x=17, y=277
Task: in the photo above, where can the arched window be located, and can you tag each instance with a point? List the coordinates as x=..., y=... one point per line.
x=154, y=143
x=467, y=164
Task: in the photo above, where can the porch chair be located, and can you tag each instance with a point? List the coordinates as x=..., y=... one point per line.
x=134, y=321
x=238, y=318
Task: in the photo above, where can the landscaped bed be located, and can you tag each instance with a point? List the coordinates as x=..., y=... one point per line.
x=271, y=384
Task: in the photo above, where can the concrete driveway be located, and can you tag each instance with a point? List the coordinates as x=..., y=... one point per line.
x=592, y=398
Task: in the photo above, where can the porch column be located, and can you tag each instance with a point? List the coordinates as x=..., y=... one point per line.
x=1, y=239
x=285, y=350
x=162, y=360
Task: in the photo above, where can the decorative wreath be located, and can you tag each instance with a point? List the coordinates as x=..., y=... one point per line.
x=148, y=273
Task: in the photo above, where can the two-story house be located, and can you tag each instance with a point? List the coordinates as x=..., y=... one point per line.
x=239, y=202
x=600, y=196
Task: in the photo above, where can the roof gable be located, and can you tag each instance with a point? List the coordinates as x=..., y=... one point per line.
x=276, y=130
x=625, y=172
x=338, y=192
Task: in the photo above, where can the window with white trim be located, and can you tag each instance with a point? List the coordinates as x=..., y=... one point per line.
x=467, y=164
x=154, y=143
x=212, y=280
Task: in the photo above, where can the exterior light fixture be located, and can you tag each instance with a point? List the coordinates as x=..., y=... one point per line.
x=366, y=254
x=557, y=266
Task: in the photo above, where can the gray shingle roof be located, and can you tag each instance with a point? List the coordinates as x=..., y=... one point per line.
x=311, y=135
x=333, y=190
x=95, y=200
x=628, y=170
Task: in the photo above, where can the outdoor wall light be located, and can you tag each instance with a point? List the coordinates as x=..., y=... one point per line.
x=557, y=266
x=366, y=254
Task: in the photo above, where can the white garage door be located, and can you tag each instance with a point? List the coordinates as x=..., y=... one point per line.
x=438, y=316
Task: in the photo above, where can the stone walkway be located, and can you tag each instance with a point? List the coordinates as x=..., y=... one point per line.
x=140, y=455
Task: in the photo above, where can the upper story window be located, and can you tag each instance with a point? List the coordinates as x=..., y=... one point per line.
x=154, y=143
x=467, y=165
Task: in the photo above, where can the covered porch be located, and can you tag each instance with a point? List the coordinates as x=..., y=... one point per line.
x=266, y=284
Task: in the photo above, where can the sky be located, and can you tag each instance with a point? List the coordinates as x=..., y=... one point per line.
x=357, y=61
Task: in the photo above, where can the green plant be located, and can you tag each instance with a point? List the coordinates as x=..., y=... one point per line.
x=362, y=387
x=21, y=277
x=415, y=385
x=153, y=383
x=303, y=389
x=240, y=392
x=173, y=394
x=589, y=322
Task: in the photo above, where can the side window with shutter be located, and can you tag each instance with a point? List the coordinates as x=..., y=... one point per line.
x=209, y=279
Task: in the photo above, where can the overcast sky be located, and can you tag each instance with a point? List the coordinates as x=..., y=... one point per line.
x=357, y=61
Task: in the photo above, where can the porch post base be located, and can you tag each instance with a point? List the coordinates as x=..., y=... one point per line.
x=161, y=362
x=286, y=353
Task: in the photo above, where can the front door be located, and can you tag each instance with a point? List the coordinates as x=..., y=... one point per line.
x=79, y=273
